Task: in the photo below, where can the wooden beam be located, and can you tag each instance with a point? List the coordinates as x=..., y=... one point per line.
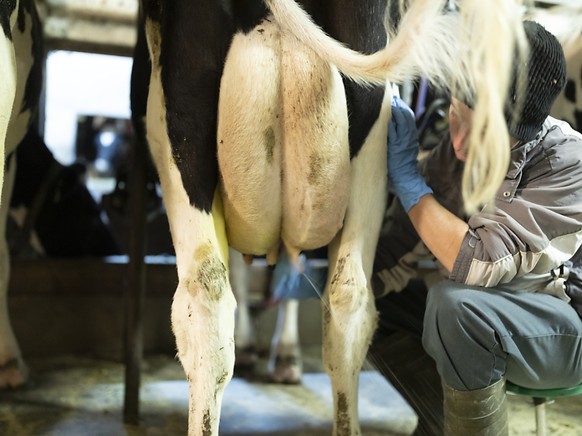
x=112, y=10
x=92, y=26
x=88, y=276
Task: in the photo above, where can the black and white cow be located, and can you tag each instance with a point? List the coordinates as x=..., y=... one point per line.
x=566, y=23
x=21, y=60
x=568, y=106
x=52, y=212
x=267, y=131
x=41, y=196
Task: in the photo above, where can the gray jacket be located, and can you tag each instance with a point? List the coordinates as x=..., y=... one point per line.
x=529, y=239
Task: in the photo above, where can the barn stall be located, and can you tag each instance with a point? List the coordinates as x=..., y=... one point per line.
x=89, y=342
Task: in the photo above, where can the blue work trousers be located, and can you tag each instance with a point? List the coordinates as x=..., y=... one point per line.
x=476, y=335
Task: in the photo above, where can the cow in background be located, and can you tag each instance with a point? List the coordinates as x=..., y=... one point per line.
x=21, y=70
x=285, y=353
x=286, y=286
x=52, y=213
x=568, y=106
x=46, y=209
x=264, y=131
x=566, y=23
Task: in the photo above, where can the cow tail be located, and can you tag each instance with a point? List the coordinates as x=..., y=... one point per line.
x=472, y=51
x=424, y=38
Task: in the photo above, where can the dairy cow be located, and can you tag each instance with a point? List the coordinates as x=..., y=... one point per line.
x=266, y=131
x=52, y=213
x=21, y=60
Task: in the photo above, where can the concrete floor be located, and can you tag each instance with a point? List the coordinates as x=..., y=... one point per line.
x=84, y=397
x=81, y=396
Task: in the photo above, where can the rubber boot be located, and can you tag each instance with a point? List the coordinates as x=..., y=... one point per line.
x=401, y=358
x=480, y=412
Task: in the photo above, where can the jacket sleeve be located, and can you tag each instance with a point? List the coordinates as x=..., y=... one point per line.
x=536, y=223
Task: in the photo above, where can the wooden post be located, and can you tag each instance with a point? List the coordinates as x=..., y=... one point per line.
x=134, y=300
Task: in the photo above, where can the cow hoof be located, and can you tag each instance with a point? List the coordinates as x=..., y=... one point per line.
x=245, y=361
x=13, y=374
x=286, y=369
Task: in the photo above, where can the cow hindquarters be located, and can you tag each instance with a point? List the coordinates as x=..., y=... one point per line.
x=248, y=142
x=316, y=158
x=349, y=314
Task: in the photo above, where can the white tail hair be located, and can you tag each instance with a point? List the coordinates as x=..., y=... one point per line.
x=491, y=32
x=407, y=55
x=473, y=51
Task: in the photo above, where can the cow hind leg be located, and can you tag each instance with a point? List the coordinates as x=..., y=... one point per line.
x=203, y=307
x=244, y=336
x=349, y=314
x=285, y=364
x=203, y=318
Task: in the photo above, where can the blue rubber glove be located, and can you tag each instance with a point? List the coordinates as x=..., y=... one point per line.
x=290, y=283
x=407, y=183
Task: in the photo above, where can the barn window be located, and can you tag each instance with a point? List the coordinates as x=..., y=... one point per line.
x=87, y=112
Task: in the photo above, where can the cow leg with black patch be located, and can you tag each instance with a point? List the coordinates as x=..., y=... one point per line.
x=9, y=351
x=188, y=43
x=20, y=84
